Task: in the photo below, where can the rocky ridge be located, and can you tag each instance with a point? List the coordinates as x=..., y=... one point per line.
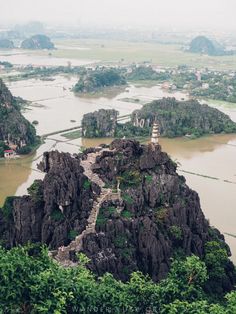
x=127, y=206
x=15, y=130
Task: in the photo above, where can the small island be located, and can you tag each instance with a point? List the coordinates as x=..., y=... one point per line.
x=175, y=118
x=96, y=80
x=37, y=42
x=17, y=135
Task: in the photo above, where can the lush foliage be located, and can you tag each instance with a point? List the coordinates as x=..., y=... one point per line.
x=146, y=73
x=95, y=80
x=179, y=118
x=31, y=282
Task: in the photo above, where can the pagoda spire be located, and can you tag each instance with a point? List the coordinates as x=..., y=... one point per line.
x=155, y=133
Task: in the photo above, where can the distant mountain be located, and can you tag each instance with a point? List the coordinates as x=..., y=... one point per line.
x=6, y=44
x=202, y=44
x=37, y=42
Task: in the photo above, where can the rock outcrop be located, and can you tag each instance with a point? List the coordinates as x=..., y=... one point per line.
x=37, y=42
x=176, y=118
x=204, y=45
x=126, y=205
x=96, y=80
x=101, y=123
x=56, y=209
x=15, y=130
x=179, y=118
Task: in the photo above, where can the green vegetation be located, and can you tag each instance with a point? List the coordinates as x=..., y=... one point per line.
x=93, y=81
x=87, y=184
x=35, y=190
x=165, y=55
x=14, y=128
x=8, y=207
x=72, y=135
x=176, y=232
x=161, y=214
x=127, y=198
x=148, y=178
x=179, y=118
x=120, y=241
x=57, y=215
x=126, y=214
x=31, y=282
x=146, y=73
x=130, y=178
x=72, y=234
x=44, y=73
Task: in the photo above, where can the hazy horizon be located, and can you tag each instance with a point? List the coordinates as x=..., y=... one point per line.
x=211, y=14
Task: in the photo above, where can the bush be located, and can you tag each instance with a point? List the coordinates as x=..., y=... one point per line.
x=87, y=184
x=126, y=214
x=72, y=234
x=57, y=215
x=128, y=199
x=176, y=232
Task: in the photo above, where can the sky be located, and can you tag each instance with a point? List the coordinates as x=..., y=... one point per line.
x=127, y=13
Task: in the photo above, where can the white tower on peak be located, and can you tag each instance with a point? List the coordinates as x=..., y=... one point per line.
x=155, y=133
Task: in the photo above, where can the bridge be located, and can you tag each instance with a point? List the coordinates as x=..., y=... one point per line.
x=79, y=127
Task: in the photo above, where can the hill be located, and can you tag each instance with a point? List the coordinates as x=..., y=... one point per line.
x=124, y=206
x=37, y=42
x=15, y=130
x=204, y=45
x=6, y=44
x=176, y=118
x=94, y=81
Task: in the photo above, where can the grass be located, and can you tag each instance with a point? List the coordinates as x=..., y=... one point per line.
x=126, y=52
x=72, y=135
x=220, y=103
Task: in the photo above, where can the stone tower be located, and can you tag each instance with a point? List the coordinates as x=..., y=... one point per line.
x=155, y=133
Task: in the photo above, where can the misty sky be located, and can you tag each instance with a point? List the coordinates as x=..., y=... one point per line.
x=174, y=13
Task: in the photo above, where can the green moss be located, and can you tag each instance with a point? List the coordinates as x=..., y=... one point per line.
x=161, y=214
x=57, y=215
x=35, y=190
x=126, y=214
x=128, y=199
x=101, y=219
x=130, y=178
x=120, y=241
x=8, y=207
x=148, y=178
x=87, y=184
x=176, y=232
x=72, y=234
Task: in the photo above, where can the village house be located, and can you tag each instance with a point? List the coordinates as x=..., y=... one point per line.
x=9, y=153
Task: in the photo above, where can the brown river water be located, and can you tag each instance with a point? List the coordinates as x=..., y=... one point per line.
x=207, y=163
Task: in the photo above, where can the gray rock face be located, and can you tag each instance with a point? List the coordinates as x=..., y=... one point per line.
x=101, y=123
x=158, y=214
x=56, y=209
x=14, y=128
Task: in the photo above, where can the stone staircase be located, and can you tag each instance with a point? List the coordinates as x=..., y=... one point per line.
x=63, y=253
